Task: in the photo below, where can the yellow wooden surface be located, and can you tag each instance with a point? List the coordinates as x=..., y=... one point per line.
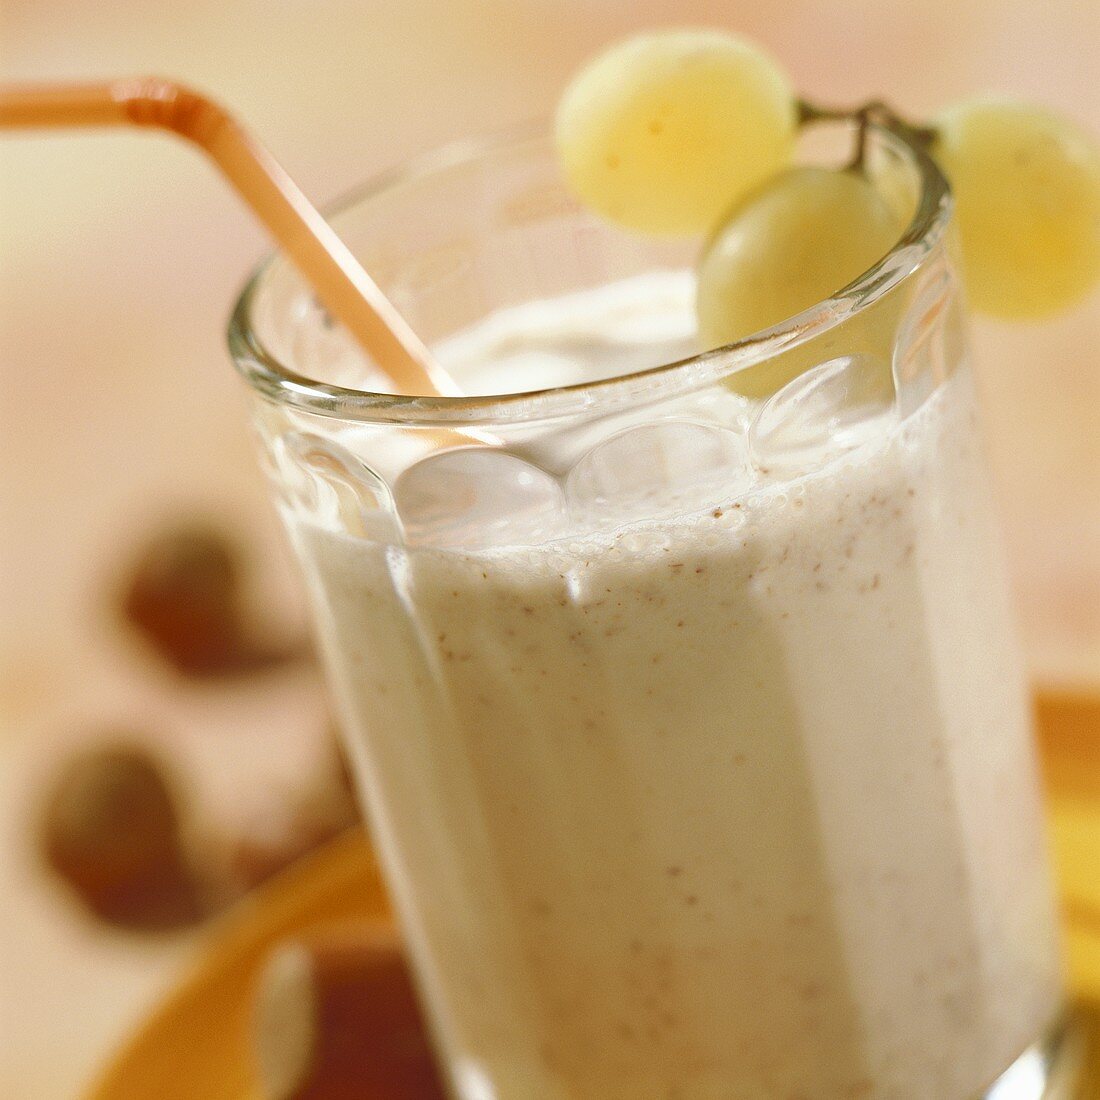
x=196, y=1045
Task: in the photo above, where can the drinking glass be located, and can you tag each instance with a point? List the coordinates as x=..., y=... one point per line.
x=688, y=720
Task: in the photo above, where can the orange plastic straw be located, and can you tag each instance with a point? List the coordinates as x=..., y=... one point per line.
x=346, y=290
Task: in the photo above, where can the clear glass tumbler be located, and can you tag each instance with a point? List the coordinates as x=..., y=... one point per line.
x=690, y=725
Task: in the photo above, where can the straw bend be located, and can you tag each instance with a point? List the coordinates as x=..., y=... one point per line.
x=168, y=105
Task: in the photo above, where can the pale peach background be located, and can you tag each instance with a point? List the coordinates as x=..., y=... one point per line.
x=120, y=255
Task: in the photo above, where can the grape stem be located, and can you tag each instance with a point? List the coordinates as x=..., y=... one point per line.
x=876, y=112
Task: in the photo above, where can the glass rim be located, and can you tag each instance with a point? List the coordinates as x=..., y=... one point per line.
x=278, y=383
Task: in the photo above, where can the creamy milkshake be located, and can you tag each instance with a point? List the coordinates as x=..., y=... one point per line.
x=734, y=797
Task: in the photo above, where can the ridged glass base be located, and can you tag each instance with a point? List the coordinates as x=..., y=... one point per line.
x=1050, y=1069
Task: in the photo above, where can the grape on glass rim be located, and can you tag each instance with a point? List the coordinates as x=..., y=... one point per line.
x=663, y=132
x=1026, y=181
x=796, y=241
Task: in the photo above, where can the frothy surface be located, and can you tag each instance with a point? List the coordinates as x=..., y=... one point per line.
x=627, y=326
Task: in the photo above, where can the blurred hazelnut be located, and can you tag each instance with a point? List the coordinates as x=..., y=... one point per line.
x=110, y=829
x=336, y=1018
x=183, y=596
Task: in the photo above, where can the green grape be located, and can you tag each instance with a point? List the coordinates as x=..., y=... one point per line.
x=664, y=132
x=1027, y=193
x=795, y=242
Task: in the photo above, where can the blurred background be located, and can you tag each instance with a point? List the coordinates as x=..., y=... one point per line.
x=156, y=681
